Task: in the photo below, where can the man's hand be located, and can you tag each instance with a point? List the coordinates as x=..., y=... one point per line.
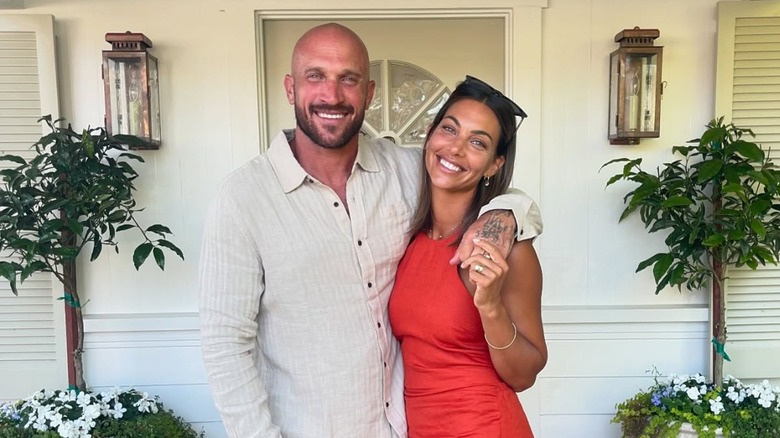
x=495, y=226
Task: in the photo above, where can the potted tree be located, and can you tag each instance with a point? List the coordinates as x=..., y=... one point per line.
x=719, y=206
x=75, y=193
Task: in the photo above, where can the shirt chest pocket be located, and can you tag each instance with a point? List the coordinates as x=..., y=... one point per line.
x=389, y=233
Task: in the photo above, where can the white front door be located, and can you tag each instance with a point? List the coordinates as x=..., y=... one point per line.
x=446, y=48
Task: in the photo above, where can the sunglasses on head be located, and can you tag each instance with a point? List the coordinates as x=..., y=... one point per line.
x=515, y=107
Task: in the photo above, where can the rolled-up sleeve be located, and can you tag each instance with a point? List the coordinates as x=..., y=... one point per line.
x=527, y=214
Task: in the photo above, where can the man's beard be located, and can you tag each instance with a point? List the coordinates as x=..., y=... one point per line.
x=311, y=130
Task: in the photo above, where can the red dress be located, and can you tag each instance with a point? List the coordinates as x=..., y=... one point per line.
x=450, y=386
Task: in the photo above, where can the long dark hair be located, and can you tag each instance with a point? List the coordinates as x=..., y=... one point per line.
x=505, y=111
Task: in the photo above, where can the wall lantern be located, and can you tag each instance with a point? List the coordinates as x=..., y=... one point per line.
x=635, y=87
x=132, y=88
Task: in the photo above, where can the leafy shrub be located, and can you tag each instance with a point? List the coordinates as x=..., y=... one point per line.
x=734, y=408
x=72, y=414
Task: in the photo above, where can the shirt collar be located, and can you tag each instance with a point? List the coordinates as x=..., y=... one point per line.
x=290, y=173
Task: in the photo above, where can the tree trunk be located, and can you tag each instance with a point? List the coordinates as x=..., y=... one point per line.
x=718, y=320
x=74, y=327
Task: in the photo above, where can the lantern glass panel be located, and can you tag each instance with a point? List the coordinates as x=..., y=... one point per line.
x=640, y=73
x=154, y=98
x=126, y=95
x=614, y=70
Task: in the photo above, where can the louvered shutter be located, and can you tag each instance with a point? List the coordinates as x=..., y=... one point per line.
x=748, y=92
x=32, y=351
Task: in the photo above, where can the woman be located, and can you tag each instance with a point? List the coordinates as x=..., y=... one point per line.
x=471, y=336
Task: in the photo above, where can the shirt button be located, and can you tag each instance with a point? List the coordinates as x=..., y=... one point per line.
x=360, y=243
x=379, y=324
x=369, y=284
x=335, y=204
x=385, y=364
x=387, y=405
x=521, y=232
x=311, y=181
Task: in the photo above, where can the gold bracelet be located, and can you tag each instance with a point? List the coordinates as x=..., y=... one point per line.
x=507, y=345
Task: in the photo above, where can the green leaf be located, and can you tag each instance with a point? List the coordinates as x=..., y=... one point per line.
x=677, y=201
x=67, y=252
x=172, y=247
x=130, y=140
x=141, y=253
x=8, y=271
x=712, y=135
x=733, y=188
x=616, y=160
x=737, y=235
x=159, y=257
x=614, y=179
x=87, y=143
x=649, y=261
x=117, y=216
x=159, y=229
x=751, y=151
x=14, y=158
x=661, y=266
x=676, y=275
x=708, y=170
x=714, y=240
x=683, y=150
x=97, y=246
x=124, y=227
x=759, y=176
x=758, y=227
x=765, y=255
x=130, y=156
x=31, y=268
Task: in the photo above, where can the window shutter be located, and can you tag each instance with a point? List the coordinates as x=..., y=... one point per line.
x=748, y=92
x=32, y=342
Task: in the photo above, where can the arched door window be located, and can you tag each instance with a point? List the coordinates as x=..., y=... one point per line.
x=405, y=102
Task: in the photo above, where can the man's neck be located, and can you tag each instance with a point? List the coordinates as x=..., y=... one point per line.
x=330, y=166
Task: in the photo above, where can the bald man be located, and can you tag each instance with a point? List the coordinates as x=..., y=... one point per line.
x=299, y=256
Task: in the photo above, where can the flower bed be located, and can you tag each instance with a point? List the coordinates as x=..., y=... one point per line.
x=734, y=409
x=72, y=414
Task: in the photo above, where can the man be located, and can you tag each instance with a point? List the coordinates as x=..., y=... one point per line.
x=299, y=257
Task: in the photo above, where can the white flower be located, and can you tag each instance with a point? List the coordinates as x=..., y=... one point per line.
x=693, y=393
x=716, y=405
x=83, y=399
x=146, y=404
x=55, y=419
x=735, y=396
x=118, y=410
x=40, y=424
x=66, y=396
x=91, y=412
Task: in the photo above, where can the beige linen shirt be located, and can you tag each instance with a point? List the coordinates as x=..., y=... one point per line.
x=294, y=290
